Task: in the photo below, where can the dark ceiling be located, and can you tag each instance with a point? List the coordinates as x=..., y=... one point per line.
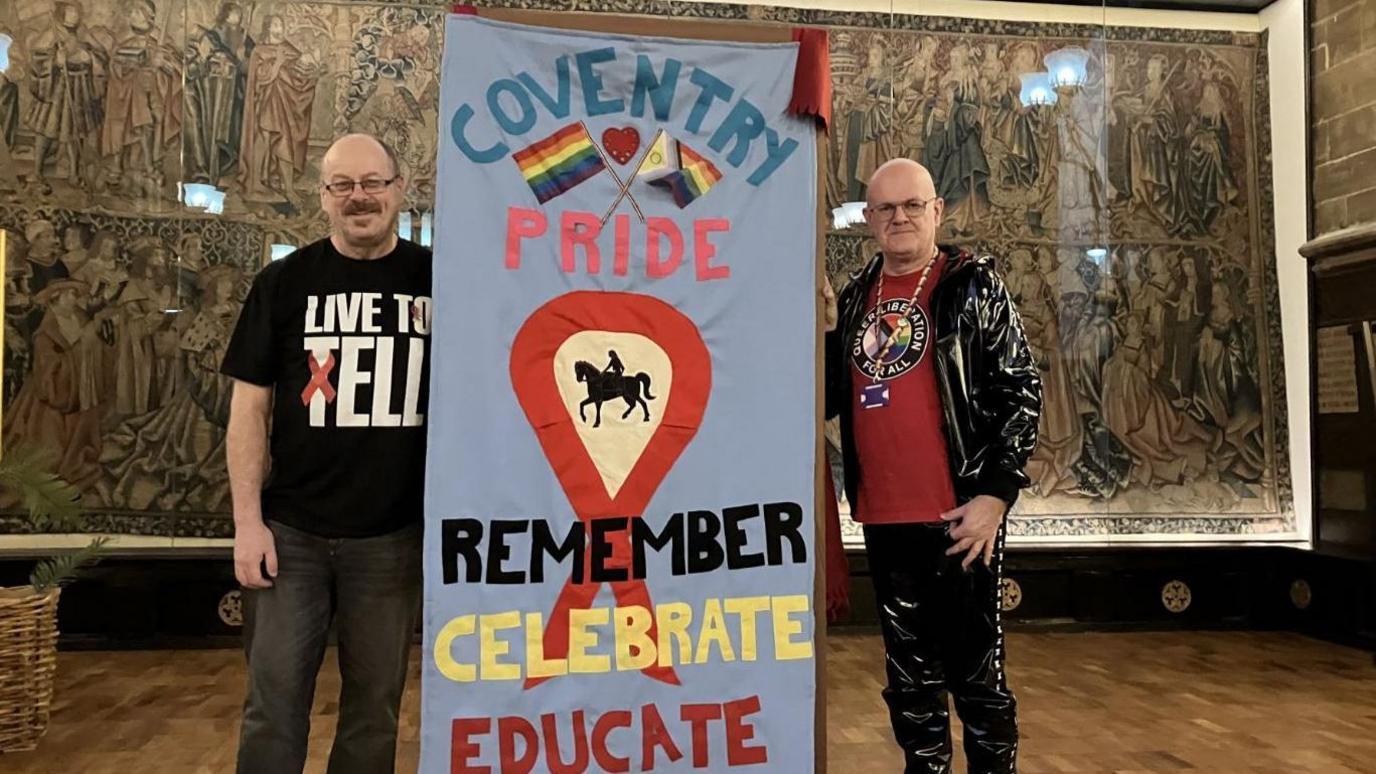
x=1225, y=6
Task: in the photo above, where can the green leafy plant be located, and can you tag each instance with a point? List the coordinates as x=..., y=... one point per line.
x=53, y=505
x=61, y=570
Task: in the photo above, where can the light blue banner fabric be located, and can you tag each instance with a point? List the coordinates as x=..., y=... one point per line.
x=619, y=548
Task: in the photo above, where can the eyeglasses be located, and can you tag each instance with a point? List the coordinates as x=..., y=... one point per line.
x=913, y=208
x=372, y=185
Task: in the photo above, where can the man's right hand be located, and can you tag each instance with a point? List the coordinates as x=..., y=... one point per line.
x=254, y=547
x=829, y=313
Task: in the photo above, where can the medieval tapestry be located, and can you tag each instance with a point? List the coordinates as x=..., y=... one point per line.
x=1132, y=216
x=122, y=290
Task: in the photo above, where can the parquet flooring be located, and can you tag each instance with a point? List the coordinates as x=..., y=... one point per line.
x=1187, y=701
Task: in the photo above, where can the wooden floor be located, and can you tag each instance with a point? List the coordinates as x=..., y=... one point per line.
x=1209, y=702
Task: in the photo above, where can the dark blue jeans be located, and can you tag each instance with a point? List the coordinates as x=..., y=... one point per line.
x=370, y=588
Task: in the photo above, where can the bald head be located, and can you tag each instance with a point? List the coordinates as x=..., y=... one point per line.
x=903, y=212
x=355, y=146
x=895, y=172
x=363, y=223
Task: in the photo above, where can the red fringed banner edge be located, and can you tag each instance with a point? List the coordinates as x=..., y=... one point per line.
x=464, y=9
x=812, y=76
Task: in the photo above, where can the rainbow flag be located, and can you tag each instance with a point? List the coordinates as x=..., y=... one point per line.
x=694, y=177
x=559, y=162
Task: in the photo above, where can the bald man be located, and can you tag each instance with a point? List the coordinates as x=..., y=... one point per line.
x=332, y=346
x=939, y=397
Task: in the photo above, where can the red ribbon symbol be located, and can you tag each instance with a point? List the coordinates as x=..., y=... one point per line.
x=320, y=379
x=532, y=376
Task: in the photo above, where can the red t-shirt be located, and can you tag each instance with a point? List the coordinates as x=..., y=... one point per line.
x=897, y=408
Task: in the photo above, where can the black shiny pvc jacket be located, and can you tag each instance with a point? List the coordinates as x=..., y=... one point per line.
x=991, y=391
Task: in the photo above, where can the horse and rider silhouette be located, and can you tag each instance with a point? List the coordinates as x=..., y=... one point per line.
x=611, y=383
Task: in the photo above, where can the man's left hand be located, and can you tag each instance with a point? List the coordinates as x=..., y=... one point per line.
x=976, y=528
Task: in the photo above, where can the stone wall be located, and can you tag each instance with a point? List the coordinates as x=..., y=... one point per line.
x=1344, y=113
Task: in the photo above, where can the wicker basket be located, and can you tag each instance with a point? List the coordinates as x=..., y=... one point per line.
x=28, y=660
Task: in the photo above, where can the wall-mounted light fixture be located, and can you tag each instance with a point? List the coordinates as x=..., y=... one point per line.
x=196, y=195
x=202, y=196
x=1036, y=90
x=847, y=215
x=1066, y=66
x=216, y=205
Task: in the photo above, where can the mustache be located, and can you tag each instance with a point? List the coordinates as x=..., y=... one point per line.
x=361, y=207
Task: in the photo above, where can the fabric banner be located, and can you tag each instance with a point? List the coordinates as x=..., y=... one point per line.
x=620, y=487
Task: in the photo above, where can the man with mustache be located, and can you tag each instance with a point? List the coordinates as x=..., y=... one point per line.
x=939, y=398
x=331, y=352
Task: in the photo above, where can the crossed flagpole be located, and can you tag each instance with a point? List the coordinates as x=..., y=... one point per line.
x=556, y=164
x=624, y=185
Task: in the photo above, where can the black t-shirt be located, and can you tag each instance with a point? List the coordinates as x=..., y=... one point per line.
x=345, y=345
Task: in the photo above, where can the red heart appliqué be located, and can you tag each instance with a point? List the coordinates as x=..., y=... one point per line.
x=621, y=144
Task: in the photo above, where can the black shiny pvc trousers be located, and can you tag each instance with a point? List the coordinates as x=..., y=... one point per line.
x=942, y=635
